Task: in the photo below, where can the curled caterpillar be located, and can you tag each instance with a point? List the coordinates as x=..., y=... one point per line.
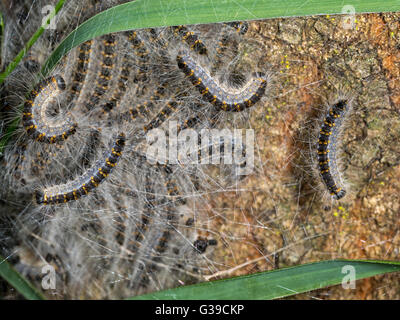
x=327, y=141
x=36, y=121
x=213, y=92
x=85, y=183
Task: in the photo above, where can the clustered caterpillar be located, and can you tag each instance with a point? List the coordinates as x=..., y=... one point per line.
x=81, y=68
x=327, y=153
x=37, y=122
x=227, y=100
x=84, y=184
x=104, y=76
x=147, y=216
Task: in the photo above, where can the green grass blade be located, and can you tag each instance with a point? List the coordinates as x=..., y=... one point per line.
x=278, y=283
x=156, y=13
x=8, y=273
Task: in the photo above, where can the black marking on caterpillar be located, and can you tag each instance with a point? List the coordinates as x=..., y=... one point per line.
x=147, y=214
x=188, y=123
x=158, y=39
x=121, y=87
x=81, y=69
x=141, y=52
x=212, y=92
x=171, y=185
x=142, y=110
x=84, y=184
x=137, y=44
x=191, y=39
x=327, y=140
x=200, y=245
x=162, y=116
x=104, y=75
x=221, y=49
x=34, y=117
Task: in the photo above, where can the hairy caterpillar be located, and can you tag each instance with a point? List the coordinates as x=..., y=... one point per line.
x=84, y=184
x=81, y=68
x=191, y=39
x=35, y=118
x=123, y=79
x=327, y=148
x=227, y=100
x=104, y=76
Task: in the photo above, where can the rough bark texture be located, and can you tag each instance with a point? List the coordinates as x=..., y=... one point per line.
x=282, y=209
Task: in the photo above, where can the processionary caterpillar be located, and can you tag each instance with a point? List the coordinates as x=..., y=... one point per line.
x=90, y=180
x=35, y=119
x=227, y=100
x=327, y=153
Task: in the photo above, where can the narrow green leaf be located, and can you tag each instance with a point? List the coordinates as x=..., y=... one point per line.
x=156, y=13
x=278, y=283
x=8, y=273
